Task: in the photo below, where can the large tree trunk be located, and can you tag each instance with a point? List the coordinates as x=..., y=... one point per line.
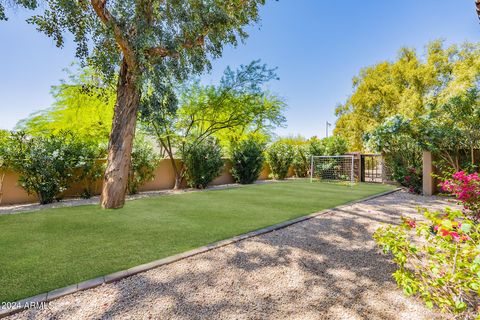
x=115, y=181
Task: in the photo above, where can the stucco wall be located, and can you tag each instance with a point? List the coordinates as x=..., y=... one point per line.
x=12, y=193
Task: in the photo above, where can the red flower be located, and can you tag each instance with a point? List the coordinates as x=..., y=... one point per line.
x=444, y=232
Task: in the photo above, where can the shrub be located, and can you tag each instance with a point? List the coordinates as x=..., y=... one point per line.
x=466, y=188
x=301, y=160
x=280, y=157
x=46, y=164
x=202, y=163
x=247, y=161
x=334, y=146
x=401, y=151
x=411, y=178
x=316, y=147
x=144, y=163
x=91, y=169
x=439, y=259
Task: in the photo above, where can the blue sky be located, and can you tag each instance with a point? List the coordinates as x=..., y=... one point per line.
x=317, y=45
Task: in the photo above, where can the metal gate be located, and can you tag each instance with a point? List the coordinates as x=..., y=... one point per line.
x=372, y=168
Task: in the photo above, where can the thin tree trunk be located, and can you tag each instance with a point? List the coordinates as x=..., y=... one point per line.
x=178, y=179
x=176, y=170
x=115, y=181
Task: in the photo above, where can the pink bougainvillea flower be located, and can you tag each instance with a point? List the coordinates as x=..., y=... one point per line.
x=444, y=232
x=411, y=223
x=454, y=235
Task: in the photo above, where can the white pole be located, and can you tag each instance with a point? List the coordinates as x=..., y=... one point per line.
x=311, y=168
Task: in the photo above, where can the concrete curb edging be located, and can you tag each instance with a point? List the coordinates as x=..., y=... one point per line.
x=37, y=300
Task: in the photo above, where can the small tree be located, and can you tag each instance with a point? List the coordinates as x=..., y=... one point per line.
x=237, y=107
x=247, y=161
x=203, y=163
x=280, y=157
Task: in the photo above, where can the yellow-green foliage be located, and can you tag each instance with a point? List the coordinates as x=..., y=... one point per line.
x=406, y=86
x=83, y=106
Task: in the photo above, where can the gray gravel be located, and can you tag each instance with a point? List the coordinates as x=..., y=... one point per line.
x=324, y=268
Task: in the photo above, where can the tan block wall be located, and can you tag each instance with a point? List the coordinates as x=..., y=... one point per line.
x=12, y=193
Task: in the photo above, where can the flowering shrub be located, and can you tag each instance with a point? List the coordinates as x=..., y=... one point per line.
x=466, y=188
x=439, y=259
x=46, y=164
x=411, y=178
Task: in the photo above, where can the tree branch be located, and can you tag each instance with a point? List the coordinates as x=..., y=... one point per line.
x=477, y=4
x=106, y=17
x=161, y=52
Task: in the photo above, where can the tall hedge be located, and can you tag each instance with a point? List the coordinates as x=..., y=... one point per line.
x=247, y=161
x=280, y=157
x=203, y=162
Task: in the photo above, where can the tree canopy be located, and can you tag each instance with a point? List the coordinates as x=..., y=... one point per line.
x=83, y=106
x=407, y=87
x=239, y=106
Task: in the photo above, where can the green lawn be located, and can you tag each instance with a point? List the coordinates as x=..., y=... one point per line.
x=49, y=249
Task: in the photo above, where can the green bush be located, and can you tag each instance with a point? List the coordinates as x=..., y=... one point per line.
x=202, y=163
x=46, y=164
x=279, y=157
x=91, y=169
x=316, y=147
x=144, y=163
x=247, y=161
x=330, y=146
x=402, y=154
x=335, y=146
x=301, y=160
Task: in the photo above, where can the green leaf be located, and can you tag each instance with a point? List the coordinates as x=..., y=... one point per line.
x=460, y=305
x=408, y=290
x=466, y=227
x=429, y=304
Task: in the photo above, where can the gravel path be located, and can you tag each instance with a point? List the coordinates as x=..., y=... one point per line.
x=324, y=268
